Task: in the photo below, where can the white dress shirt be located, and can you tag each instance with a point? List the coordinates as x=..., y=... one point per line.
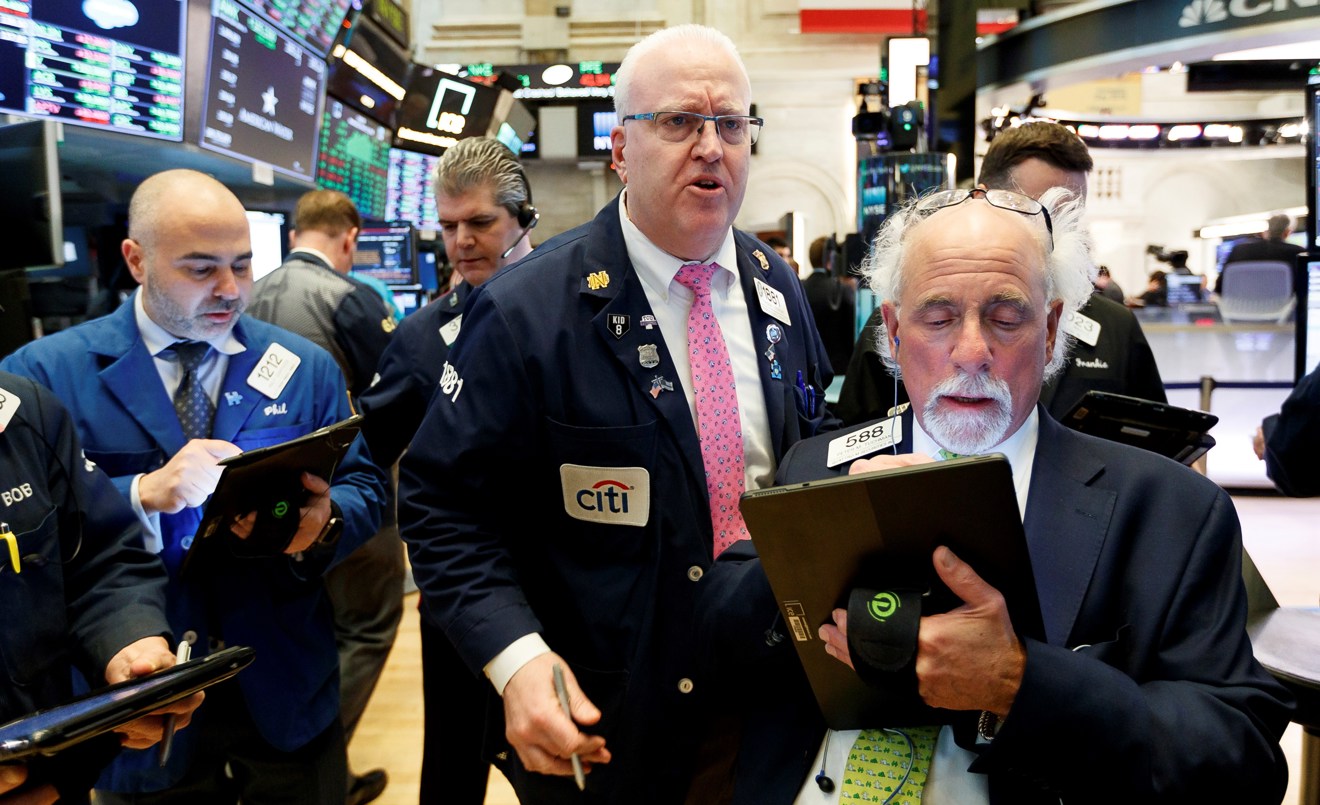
x=949, y=782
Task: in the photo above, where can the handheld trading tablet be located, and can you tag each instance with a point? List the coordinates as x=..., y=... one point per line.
x=46, y=732
x=820, y=540
x=1178, y=433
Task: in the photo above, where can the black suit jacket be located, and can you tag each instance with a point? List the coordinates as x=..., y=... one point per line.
x=1292, y=440
x=1258, y=249
x=1145, y=688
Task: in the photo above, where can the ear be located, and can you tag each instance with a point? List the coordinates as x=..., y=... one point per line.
x=293, y=238
x=1052, y=329
x=133, y=258
x=890, y=315
x=618, y=138
x=350, y=239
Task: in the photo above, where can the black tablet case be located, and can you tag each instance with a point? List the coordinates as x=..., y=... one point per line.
x=46, y=732
x=819, y=540
x=1178, y=433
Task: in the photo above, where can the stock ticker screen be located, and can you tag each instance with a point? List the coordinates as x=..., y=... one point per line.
x=109, y=64
x=355, y=158
x=315, y=23
x=411, y=194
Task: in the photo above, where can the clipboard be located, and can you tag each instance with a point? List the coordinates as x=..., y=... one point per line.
x=1177, y=433
x=818, y=540
x=267, y=480
x=54, y=729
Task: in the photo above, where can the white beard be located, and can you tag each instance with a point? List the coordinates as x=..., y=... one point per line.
x=968, y=433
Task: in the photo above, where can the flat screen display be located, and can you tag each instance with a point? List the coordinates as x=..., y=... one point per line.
x=411, y=193
x=355, y=158
x=368, y=71
x=1183, y=289
x=595, y=122
x=385, y=251
x=1313, y=161
x=1308, y=319
x=440, y=109
x=314, y=23
x=263, y=93
x=109, y=64
x=30, y=202
x=269, y=236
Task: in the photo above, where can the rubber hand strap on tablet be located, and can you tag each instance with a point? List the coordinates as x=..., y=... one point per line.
x=277, y=522
x=882, y=632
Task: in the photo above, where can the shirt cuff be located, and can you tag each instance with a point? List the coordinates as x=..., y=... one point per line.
x=150, y=522
x=511, y=660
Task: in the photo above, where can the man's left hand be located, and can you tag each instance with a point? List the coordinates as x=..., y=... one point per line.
x=312, y=517
x=142, y=658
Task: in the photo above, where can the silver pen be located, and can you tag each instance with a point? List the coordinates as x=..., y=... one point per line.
x=562, y=692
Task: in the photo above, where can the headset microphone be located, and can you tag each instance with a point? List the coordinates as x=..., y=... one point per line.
x=533, y=217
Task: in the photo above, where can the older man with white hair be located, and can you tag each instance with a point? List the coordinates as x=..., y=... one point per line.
x=1143, y=687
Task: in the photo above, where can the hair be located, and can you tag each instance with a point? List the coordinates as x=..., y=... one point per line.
x=1052, y=143
x=328, y=211
x=1279, y=225
x=483, y=162
x=816, y=252
x=698, y=36
x=1068, y=267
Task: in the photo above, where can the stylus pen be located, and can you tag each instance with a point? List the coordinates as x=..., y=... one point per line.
x=562, y=692
x=167, y=739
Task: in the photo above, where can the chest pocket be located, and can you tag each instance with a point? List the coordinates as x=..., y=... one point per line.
x=34, y=600
x=265, y=437
x=605, y=477
x=120, y=463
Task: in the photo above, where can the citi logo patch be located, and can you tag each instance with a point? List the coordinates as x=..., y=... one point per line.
x=612, y=495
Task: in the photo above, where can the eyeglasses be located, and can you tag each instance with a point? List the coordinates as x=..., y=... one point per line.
x=1003, y=199
x=678, y=127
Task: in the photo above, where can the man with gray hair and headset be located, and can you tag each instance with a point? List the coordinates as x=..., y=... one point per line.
x=1144, y=687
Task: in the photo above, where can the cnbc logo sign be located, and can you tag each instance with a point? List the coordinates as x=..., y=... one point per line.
x=1207, y=12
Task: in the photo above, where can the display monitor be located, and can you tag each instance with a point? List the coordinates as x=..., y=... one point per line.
x=1183, y=289
x=411, y=192
x=368, y=71
x=263, y=93
x=440, y=109
x=428, y=273
x=270, y=238
x=408, y=298
x=109, y=64
x=76, y=256
x=313, y=23
x=595, y=122
x=386, y=252
x=1308, y=315
x=30, y=202
x=1313, y=161
x=355, y=158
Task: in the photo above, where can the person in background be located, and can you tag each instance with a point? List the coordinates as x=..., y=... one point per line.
x=1274, y=246
x=80, y=591
x=580, y=465
x=1106, y=286
x=833, y=301
x=1144, y=676
x=485, y=211
x=160, y=391
x=312, y=294
x=1289, y=441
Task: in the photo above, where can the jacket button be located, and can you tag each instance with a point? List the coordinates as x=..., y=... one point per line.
x=190, y=637
x=685, y=685
x=695, y=573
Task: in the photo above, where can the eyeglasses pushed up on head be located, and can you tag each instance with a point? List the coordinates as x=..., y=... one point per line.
x=1003, y=199
x=678, y=127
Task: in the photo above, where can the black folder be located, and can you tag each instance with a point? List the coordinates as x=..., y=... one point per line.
x=818, y=540
x=1179, y=433
x=49, y=731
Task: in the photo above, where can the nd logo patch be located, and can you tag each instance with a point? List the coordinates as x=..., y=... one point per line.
x=883, y=605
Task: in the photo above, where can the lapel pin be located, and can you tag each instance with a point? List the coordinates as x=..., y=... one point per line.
x=760, y=258
x=659, y=384
x=649, y=355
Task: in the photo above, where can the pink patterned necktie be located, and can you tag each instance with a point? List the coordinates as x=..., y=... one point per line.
x=719, y=427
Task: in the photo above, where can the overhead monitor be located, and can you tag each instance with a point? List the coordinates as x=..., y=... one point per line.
x=410, y=193
x=386, y=252
x=313, y=23
x=355, y=158
x=270, y=238
x=368, y=70
x=30, y=202
x=1313, y=161
x=440, y=109
x=109, y=64
x=263, y=93
x=595, y=122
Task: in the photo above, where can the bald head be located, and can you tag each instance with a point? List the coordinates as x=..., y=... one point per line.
x=162, y=197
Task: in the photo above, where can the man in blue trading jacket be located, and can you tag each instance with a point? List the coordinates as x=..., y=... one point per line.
x=160, y=390
x=76, y=586
x=1144, y=687
x=483, y=201
x=556, y=500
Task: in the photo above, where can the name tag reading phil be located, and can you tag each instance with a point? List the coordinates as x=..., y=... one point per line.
x=1083, y=328
x=865, y=441
x=273, y=371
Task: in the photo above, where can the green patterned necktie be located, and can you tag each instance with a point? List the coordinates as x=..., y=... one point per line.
x=879, y=761
x=945, y=455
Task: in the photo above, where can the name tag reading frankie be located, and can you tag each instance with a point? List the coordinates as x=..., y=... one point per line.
x=865, y=441
x=273, y=371
x=450, y=331
x=772, y=301
x=1083, y=328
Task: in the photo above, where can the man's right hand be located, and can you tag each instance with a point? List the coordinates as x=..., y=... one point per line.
x=187, y=479
x=888, y=462
x=12, y=777
x=536, y=726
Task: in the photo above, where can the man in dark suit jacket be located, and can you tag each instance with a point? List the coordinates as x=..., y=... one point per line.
x=1274, y=246
x=1289, y=441
x=1143, y=687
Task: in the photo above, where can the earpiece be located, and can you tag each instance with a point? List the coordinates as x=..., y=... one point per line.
x=527, y=215
x=823, y=780
x=896, y=342
x=826, y=784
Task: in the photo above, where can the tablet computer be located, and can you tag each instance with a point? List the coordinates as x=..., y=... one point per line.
x=46, y=732
x=819, y=540
x=268, y=481
x=1178, y=433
